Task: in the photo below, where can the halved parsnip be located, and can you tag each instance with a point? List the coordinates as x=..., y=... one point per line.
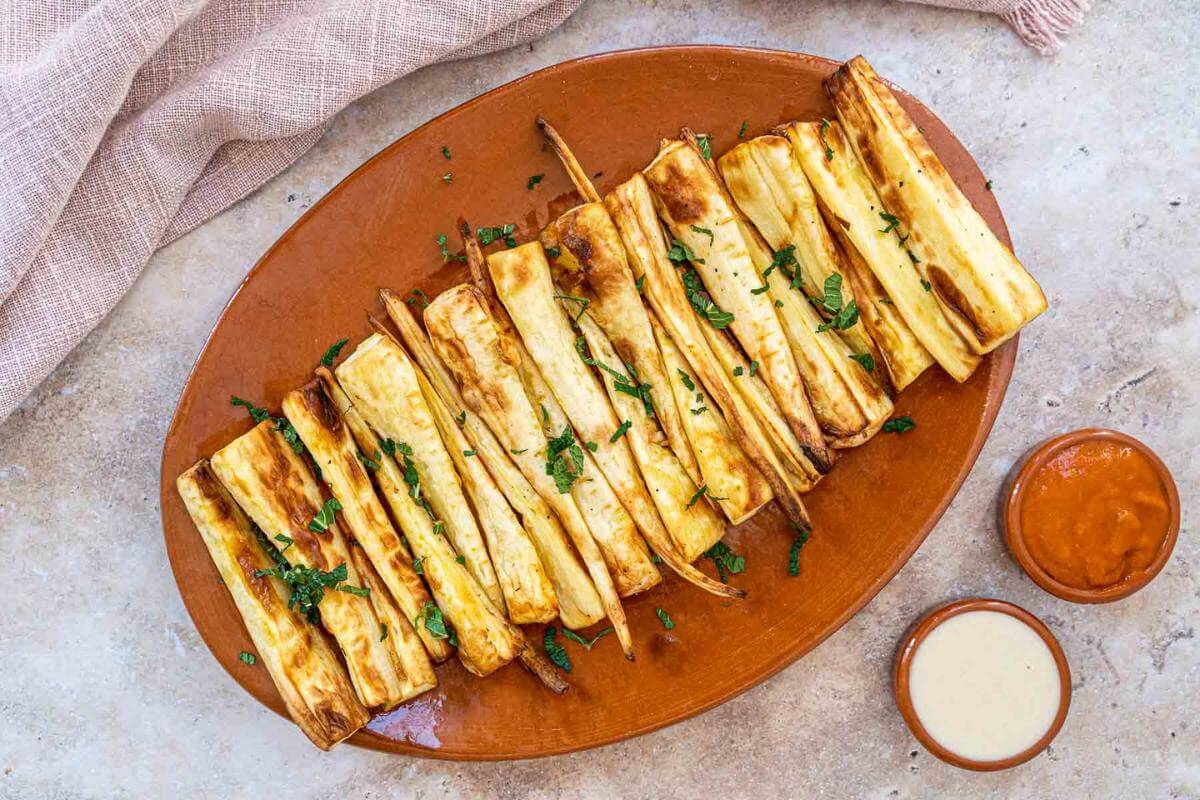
x=483, y=361
x=486, y=641
x=314, y=686
x=988, y=295
x=850, y=404
x=522, y=279
x=382, y=384
x=691, y=200
x=414, y=666
x=769, y=187
x=527, y=591
x=732, y=479
x=855, y=209
x=277, y=490
x=392, y=553
x=694, y=526
x=578, y=603
x=632, y=209
x=326, y=433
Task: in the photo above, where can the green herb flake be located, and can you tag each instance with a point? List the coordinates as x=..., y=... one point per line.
x=742, y=130
x=664, y=618
x=865, y=359
x=460, y=559
x=553, y=252
x=431, y=617
x=794, y=553
x=446, y=254
x=383, y=631
x=588, y=644
x=555, y=651
x=461, y=419
x=333, y=351
x=686, y=380
x=753, y=368
x=703, y=490
x=389, y=446
x=622, y=429
x=707, y=232
x=325, y=517
x=256, y=413
x=307, y=585
x=727, y=562
x=640, y=284
x=705, y=147
x=988, y=185
x=738, y=371
x=926, y=285
x=417, y=568
x=779, y=304
x=899, y=425
x=497, y=233
x=446, y=153
x=370, y=464
x=247, y=658
x=564, y=460
x=468, y=453
x=591, y=446
x=582, y=301
x=702, y=303
x=680, y=253
x=824, y=141
x=913, y=257
x=448, y=177
x=417, y=299
x=534, y=180
x=517, y=452
x=891, y=220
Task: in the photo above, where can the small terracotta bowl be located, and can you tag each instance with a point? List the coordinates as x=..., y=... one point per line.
x=1014, y=494
x=908, y=649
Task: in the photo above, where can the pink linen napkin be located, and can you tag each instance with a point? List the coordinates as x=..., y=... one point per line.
x=126, y=123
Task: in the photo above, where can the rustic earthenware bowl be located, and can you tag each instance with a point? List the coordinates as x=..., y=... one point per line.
x=377, y=228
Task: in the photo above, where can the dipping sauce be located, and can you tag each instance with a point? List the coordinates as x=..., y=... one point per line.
x=1095, y=514
x=985, y=685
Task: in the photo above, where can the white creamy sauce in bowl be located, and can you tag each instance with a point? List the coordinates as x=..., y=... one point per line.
x=984, y=685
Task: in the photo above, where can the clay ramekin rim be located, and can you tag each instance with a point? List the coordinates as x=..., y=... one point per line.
x=1015, y=494
x=909, y=646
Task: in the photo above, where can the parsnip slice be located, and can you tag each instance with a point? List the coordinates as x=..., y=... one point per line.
x=314, y=685
x=986, y=292
x=277, y=490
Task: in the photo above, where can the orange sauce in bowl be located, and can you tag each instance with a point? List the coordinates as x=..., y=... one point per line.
x=1094, y=514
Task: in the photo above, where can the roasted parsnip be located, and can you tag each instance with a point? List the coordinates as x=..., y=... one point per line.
x=486, y=641
x=483, y=361
x=578, y=603
x=632, y=209
x=987, y=294
x=314, y=686
x=276, y=488
x=382, y=385
x=326, y=433
x=700, y=215
x=856, y=215
x=522, y=279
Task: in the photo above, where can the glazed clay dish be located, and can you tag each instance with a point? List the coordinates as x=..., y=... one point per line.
x=377, y=229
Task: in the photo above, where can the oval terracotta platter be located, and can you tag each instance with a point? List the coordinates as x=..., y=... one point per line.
x=318, y=283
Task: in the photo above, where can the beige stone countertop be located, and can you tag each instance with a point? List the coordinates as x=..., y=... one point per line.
x=107, y=691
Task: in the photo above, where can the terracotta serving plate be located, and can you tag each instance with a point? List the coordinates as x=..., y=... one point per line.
x=377, y=228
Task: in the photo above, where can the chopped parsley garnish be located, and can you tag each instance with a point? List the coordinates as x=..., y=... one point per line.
x=913, y=257
x=867, y=361
x=582, y=301
x=926, y=285
x=698, y=410
x=431, y=616
x=553, y=252
x=505, y=232
x=382, y=631
x=591, y=446
x=621, y=382
x=555, y=651
x=738, y=370
x=389, y=446
x=417, y=299
x=680, y=253
x=753, y=368
x=564, y=460
x=461, y=559
x=899, y=425
x=286, y=541
x=891, y=220
x=742, y=130
x=534, y=180
x=256, y=413
x=728, y=562
x=824, y=142
x=307, y=585
x=664, y=618
x=622, y=429
x=545, y=414
x=686, y=380
x=333, y=351
x=694, y=289
x=370, y=464
x=517, y=452
x=446, y=254
x=779, y=304
x=588, y=644
x=448, y=177
x=247, y=658
x=707, y=232
x=639, y=284
x=988, y=185
x=417, y=568
x=703, y=490
x=843, y=317
x=705, y=147
x=461, y=419
x=325, y=517
x=446, y=152
x=468, y=453
x=794, y=554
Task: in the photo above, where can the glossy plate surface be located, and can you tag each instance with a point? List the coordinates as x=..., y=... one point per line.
x=318, y=283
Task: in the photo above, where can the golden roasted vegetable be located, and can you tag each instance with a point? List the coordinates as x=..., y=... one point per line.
x=732, y=479
x=382, y=384
x=276, y=488
x=632, y=209
x=578, y=603
x=522, y=279
x=527, y=591
x=766, y=181
x=857, y=216
x=413, y=664
x=988, y=295
x=326, y=433
x=483, y=361
x=690, y=199
x=694, y=526
x=486, y=641
x=314, y=686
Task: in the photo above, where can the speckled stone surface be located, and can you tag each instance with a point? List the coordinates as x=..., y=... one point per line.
x=106, y=691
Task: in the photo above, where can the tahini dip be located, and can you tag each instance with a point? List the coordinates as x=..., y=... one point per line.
x=984, y=685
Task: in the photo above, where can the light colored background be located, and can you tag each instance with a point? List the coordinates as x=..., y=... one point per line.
x=107, y=691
